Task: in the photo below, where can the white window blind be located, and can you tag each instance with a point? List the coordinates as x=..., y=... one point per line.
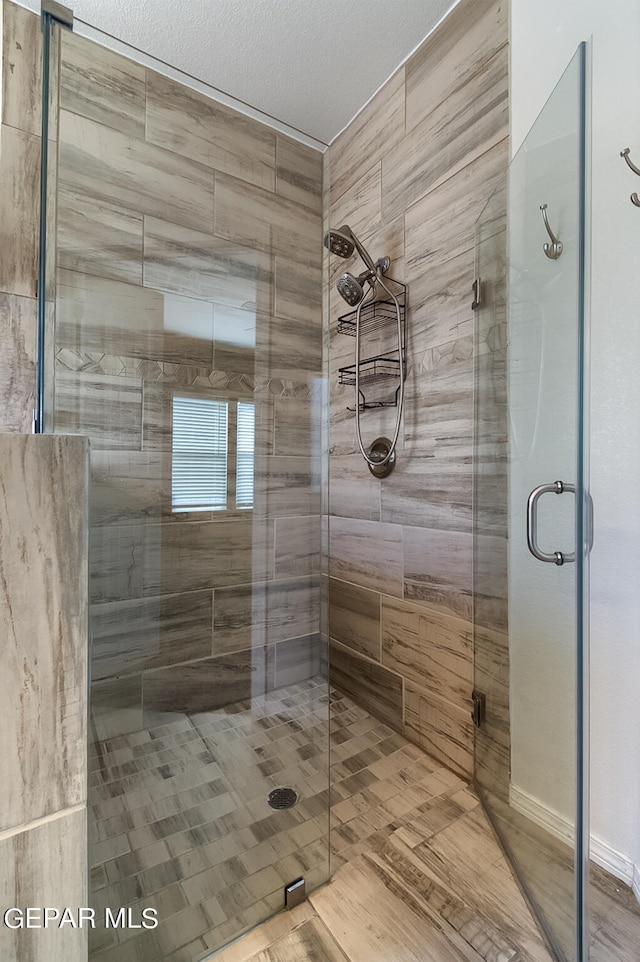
x=245, y=454
x=199, y=454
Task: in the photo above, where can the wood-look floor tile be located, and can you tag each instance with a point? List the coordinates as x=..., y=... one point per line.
x=269, y=933
x=417, y=864
x=371, y=923
x=310, y=942
x=501, y=901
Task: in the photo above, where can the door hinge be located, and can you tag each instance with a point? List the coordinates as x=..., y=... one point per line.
x=295, y=893
x=479, y=712
x=476, y=287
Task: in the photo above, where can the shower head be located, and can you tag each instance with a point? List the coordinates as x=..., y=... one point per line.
x=339, y=242
x=343, y=242
x=351, y=288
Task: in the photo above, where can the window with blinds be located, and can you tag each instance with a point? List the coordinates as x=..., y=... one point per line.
x=245, y=454
x=199, y=454
x=203, y=462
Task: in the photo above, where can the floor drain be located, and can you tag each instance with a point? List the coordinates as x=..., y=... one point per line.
x=281, y=798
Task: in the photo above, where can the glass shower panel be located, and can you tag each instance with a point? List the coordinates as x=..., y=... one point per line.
x=530, y=636
x=188, y=347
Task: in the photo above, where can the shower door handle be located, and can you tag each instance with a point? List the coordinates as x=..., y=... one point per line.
x=555, y=557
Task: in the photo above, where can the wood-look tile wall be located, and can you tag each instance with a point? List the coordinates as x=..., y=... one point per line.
x=181, y=225
x=19, y=206
x=411, y=175
x=44, y=683
x=43, y=600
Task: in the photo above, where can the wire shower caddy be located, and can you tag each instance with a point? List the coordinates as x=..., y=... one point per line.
x=376, y=317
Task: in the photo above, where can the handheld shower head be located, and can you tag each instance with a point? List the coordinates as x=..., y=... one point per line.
x=339, y=242
x=343, y=242
x=351, y=288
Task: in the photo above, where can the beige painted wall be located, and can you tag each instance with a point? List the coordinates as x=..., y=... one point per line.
x=411, y=175
x=615, y=397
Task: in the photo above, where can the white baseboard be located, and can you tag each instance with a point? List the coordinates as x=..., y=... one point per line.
x=553, y=822
x=616, y=863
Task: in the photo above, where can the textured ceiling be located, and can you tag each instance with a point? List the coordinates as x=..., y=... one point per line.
x=311, y=64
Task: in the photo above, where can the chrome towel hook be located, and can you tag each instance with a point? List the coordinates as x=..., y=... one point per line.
x=554, y=249
x=625, y=153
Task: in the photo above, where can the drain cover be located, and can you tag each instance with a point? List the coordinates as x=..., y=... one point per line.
x=281, y=798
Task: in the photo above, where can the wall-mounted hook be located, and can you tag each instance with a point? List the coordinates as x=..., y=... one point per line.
x=625, y=153
x=554, y=249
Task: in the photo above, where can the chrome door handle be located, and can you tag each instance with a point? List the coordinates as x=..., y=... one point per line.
x=556, y=557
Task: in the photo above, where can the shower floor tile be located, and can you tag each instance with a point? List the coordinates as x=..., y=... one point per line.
x=180, y=821
x=181, y=825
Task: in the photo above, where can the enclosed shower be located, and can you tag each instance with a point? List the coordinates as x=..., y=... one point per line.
x=339, y=515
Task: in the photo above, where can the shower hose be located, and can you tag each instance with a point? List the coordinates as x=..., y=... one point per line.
x=374, y=462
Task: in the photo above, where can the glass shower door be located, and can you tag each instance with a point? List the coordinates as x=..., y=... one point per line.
x=186, y=293
x=530, y=569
